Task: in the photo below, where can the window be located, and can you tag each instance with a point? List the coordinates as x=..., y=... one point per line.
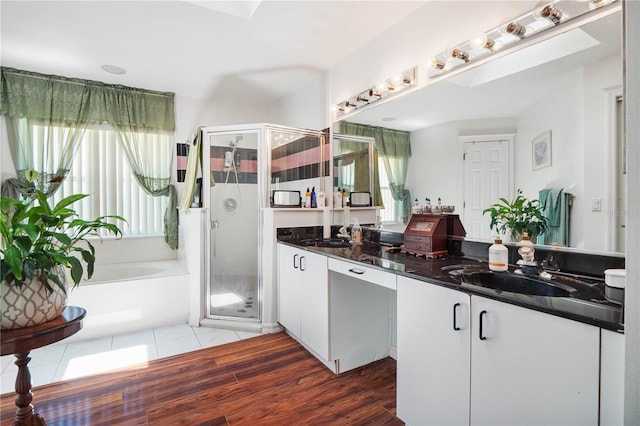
x=101, y=169
x=392, y=211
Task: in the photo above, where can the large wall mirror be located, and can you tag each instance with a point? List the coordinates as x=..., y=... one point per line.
x=562, y=94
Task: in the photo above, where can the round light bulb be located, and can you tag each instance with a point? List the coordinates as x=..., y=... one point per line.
x=479, y=42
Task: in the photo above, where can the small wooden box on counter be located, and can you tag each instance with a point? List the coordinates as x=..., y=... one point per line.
x=426, y=234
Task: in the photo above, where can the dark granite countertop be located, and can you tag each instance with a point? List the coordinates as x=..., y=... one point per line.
x=586, y=305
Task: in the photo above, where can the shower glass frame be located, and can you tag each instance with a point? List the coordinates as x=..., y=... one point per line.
x=230, y=132
x=264, y=133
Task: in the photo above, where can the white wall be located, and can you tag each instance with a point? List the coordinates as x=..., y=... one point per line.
x=602, y=80
x=562, y=112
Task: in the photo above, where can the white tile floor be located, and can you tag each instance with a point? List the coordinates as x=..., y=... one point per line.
x=63, y=361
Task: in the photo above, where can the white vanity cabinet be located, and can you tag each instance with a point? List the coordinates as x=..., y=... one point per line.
x=303, y=297
x=528, y=367
x=506, y=365
x=434, y=352
x=611, y=378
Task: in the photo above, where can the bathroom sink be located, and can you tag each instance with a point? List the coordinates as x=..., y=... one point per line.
x=330, y=243
x=516, y=283
x=334, y=243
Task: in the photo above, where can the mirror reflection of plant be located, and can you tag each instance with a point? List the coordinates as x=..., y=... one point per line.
x=517, y=216
x=37, y=238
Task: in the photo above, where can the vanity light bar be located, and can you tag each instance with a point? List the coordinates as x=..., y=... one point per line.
x=389, y=87
x=540, y=19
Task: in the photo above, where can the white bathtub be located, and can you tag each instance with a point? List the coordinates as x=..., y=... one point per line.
x=134, y=271
x=126, y=297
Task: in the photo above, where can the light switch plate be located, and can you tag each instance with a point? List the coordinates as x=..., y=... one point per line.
x=596, y=204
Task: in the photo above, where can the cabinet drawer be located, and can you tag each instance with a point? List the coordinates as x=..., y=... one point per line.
x=362, y=272
x=417, y=239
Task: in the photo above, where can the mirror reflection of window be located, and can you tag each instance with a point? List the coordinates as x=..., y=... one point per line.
x=391, y=211
x=352, y=164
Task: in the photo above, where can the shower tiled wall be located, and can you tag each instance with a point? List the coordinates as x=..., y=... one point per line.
x=300, y=159
x=182, y=151
x=246, y=165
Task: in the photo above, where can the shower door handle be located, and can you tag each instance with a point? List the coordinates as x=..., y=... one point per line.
x=213, y=225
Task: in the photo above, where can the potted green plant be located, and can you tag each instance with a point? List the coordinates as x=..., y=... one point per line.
x=39, y=244
x=513, y=218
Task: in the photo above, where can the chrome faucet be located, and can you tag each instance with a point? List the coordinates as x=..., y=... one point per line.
x=551, y=262
x=344, y=234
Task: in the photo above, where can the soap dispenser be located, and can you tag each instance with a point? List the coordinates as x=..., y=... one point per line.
x=498, y=256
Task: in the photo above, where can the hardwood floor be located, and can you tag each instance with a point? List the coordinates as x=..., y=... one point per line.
x=266, y=380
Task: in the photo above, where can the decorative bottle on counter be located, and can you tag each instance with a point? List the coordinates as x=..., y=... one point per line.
x=356, y=232
x=526, y=249
x=416, y=209
x=337, y=199
x=307, y=199
x=314, y=203
x=498, y=256
x=426, y=209
x=344, y=198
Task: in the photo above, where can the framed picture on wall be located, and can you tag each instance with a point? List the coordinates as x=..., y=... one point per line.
x=541, y=150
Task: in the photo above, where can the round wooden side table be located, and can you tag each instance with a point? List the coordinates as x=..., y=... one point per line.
x=21, y=341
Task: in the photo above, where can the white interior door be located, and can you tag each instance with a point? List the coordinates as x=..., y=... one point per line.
x=488, y=165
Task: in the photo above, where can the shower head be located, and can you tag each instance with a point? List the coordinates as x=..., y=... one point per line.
x=235, y=144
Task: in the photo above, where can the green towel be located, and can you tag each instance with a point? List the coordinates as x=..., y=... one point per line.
x=193, y=160
x=556, y=207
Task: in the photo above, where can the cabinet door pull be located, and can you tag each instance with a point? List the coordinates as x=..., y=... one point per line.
x=482, y=337
x=356, y=271
x=455, y=326
x=294, y=261
x=301, y=263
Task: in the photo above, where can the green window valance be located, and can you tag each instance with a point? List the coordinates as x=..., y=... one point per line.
x=66, y=101
x=394, y=147
x=388, y=142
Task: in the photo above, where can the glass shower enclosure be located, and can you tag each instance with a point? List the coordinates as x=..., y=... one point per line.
x=243, y=164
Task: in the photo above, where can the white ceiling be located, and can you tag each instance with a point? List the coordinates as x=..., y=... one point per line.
x=248, y=52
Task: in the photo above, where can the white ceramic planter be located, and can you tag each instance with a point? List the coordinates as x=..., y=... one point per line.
x=30, y=304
